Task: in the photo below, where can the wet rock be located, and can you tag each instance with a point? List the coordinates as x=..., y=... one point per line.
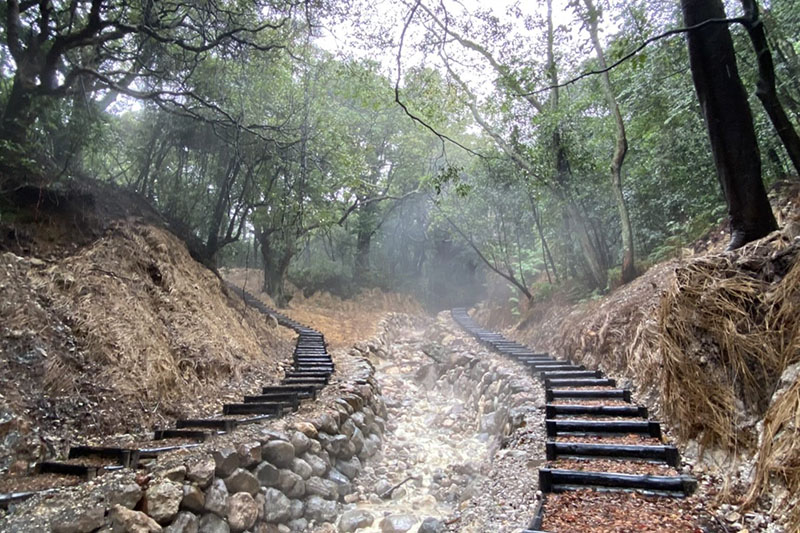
x=124, y=520
x=217, y=498
x=162, y=501
x=183, y=523
x=398, y=523
x=277, y=507
x=193, y=499
x=333, y=444
x=201, y=472
x=320, y=509
x=348, y=428
x=242, y=481
x=81, y=522
x=291, y=484
x=176, y=474
x=302, y=468
x=249, y=453
x=325, y=422
x=278, y=452
x=242, y=511
x=431, y=525
x=226, y=461
x=371, y=446
x=211, y=523
x=267, y=474
x=358, y=440
x=355, y=519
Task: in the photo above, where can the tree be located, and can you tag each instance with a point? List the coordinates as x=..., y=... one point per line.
x=729, y=121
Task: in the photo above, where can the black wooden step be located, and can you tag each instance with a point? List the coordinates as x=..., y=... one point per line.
x=305, y=381
x=67, y=469
x=264, y=408
x=580, y=382
x=567, y=374
x=639, y=427
x=615, y=394
x=193, y=434
x=220, y=424
x=122, y=456
x=303, y=391
x=290, y=398
x=552, y=367
x=664, y=454
x=308, y=374
x=596, y=410
x=555, y=480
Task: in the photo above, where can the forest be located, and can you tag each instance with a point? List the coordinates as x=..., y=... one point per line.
x=407, y=146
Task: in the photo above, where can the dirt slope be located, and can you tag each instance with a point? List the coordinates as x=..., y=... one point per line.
x=108, y=325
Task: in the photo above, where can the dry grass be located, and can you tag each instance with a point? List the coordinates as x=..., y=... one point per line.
x=343, y=322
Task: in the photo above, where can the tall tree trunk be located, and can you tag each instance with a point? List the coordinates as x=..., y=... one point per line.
x=277, y=256
x=766, y=87
x=729, y=122
x=620, y=150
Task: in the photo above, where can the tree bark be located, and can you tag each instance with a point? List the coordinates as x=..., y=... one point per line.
x=628, y=271
x=729, y=121
x=766, y=87
x=276, y=256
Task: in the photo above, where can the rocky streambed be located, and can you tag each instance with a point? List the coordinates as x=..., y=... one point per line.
x=463, y=438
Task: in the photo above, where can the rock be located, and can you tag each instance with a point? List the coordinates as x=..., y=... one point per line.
x=176, y=473
x=325, y=422
x=398, y=523
x=267, y=474
x=297, y=509
x=306, y=429
x=371, y=445
x=81, y=522
x=355, y=519
x=343, y=485
x=217, y=498
x=350, y=467
x=193, y=499
x=302, y=468
x=322, y=487
x=201, y=472
x=242, y=481
x=226, y=461
x=249, y=453
x=124, y=520
x=211, y=523
x=431, y=525
x=301, y=442
x=493, y=422
x=162, y=501
x=358, y=440
x=183, y=523
x=348, y=428
x=359, y=419
x=321, y=510
x=317, y=464
x=291, y=484
x=277, y=507
x=382, y=487
x=278, y=452
x=242, y=511
x=299, y=524
x=347, y=451
x=126, y=495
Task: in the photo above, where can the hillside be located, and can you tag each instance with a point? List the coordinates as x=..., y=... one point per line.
x=107, y=324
